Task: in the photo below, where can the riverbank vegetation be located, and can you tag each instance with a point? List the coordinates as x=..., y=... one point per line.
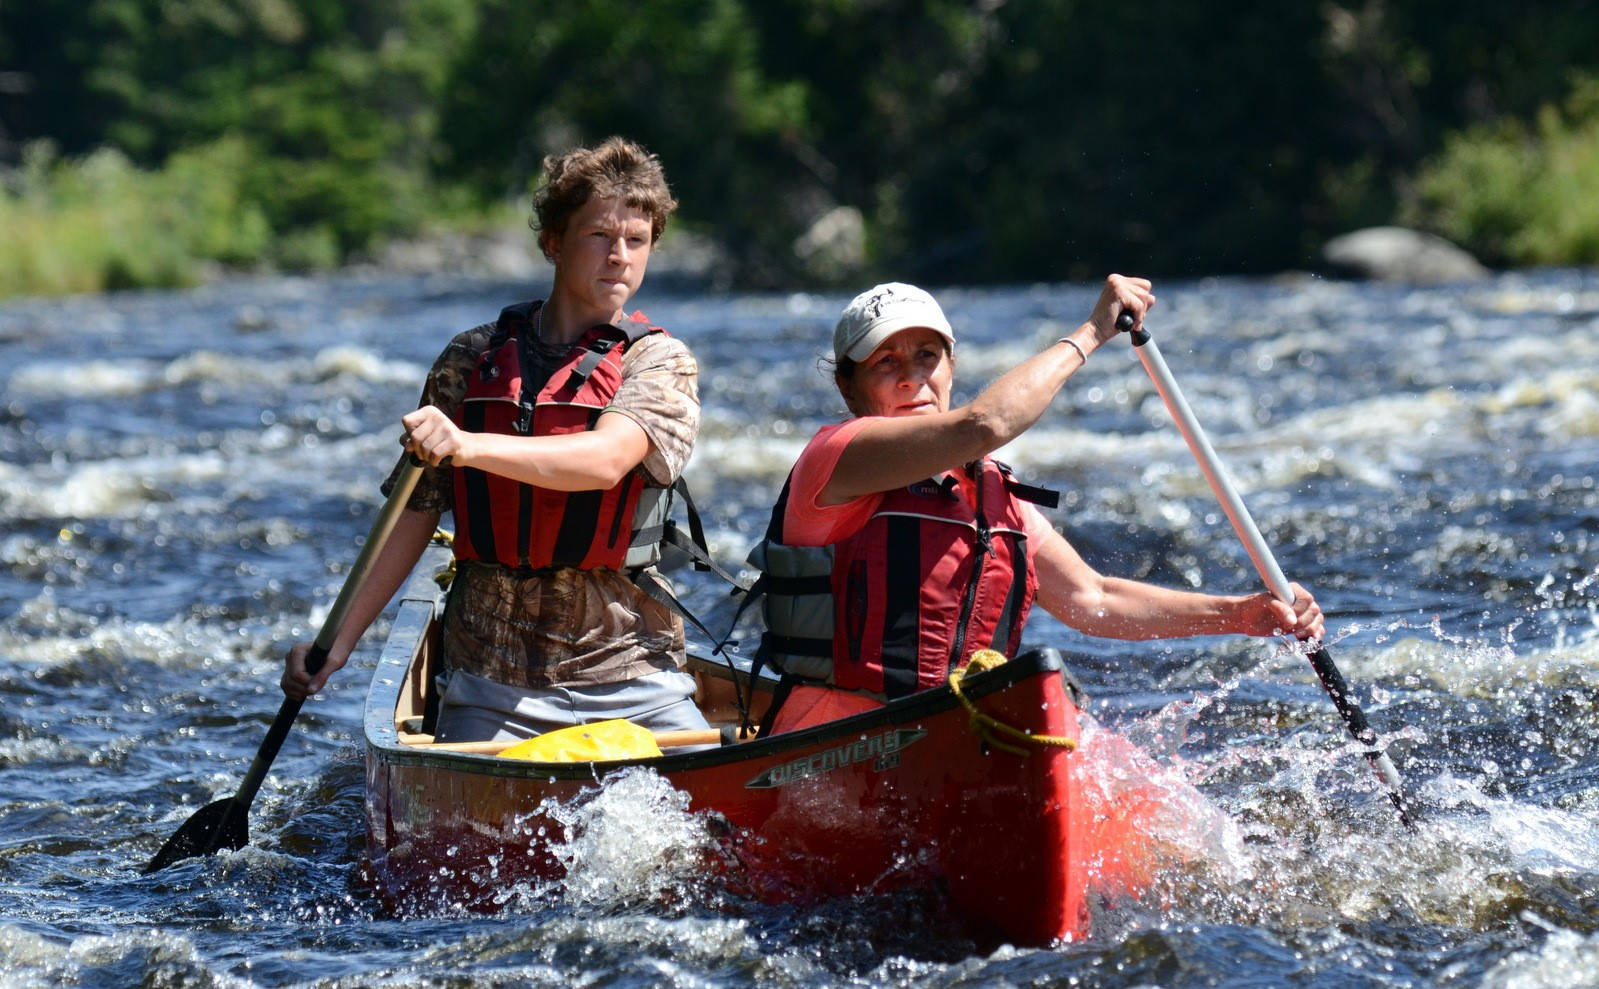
x=1520, y=193
x=152, y=142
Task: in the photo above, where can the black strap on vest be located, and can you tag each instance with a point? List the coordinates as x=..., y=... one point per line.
x=631, y=331
x=694, y=544
x=1018, y=590
x=765, y=582
x=969, y=597
x=650, y=581
x=512, y=321
x=751, y=594
x=1044, y=497
x=528, y=398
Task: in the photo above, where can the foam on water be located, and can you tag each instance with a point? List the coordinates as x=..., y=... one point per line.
x=49, y=634
x=1565, y=402
x=133, y=958
x=98, y=379
x=742, y=452
x=1468, y=666
x=631, y=840
x=1564, y=960
x=1539, y=840
x=109, y=489
x=238, y=464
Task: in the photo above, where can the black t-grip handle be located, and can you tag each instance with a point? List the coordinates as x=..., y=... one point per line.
x=1124, y=323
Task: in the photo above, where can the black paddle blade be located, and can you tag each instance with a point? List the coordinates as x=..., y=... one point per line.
x=219, y=824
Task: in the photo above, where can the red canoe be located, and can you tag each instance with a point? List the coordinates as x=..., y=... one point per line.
x=909, y=795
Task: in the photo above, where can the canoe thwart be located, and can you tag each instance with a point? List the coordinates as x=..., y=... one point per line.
x=725, y=735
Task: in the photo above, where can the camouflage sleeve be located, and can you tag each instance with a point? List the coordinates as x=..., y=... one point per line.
x=660, y=392
x=444, y=388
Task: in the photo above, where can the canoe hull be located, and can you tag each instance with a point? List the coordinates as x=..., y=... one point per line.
x=911, y=795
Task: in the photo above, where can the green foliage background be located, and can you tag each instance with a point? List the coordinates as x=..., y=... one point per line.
x=1004, y=140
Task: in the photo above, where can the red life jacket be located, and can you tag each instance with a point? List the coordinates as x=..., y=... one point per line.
x=502, y=520
x=929, y=579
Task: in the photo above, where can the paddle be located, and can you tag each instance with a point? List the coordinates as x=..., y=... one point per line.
x=1331, y=679
x=663, y=739
x=225, y=823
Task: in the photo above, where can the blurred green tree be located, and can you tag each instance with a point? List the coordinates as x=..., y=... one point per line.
x=976, y=139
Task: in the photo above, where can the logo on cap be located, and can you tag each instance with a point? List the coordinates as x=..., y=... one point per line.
x=875, y=303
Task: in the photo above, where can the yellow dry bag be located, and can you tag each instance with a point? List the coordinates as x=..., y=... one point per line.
x=596, y=742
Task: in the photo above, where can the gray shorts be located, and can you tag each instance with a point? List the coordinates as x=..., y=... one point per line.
x=474, y=708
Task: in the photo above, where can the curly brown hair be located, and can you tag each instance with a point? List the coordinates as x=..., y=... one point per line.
x=615, y=168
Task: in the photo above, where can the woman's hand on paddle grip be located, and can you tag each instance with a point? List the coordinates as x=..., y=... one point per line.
x=1134, y=296
x=1265, y=615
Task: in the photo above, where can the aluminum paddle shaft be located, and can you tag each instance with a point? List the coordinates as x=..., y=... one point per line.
x=1331, y=679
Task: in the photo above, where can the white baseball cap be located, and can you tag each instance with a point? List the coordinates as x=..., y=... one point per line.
x=879, y=313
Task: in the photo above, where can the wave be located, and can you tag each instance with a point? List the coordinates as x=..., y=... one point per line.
x=98, y=379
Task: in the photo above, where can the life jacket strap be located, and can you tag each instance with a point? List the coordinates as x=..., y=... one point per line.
x=595, y=353
x=1043, y=497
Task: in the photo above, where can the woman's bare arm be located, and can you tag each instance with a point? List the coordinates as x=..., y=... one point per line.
x=1116, y=608
x=890, y=452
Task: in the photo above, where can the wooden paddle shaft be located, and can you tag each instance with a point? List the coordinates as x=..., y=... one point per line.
x=331, y=626
x=663, y=739
x=376, y=539
x=224, y=823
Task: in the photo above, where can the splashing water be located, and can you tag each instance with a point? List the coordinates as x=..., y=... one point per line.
x=1179, y=824
x=181, y=496
x=1540, y=840
x=1565, y=959
x=630, y=840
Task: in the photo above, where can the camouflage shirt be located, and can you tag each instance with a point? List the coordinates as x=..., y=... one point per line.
x=566, y=627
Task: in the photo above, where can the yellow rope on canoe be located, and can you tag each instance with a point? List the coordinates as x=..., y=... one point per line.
x=987, y=726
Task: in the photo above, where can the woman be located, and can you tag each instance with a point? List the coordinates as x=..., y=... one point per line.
x=929, y=548
x=554, y=436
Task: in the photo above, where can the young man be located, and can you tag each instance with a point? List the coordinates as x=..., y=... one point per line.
x=553, y=435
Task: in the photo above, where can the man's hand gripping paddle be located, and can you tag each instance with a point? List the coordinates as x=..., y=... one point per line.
x=225, y=823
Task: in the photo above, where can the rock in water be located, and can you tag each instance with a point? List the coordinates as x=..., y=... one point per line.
x=1399, y=254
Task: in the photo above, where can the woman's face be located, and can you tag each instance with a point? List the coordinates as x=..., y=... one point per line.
x=910, y=374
